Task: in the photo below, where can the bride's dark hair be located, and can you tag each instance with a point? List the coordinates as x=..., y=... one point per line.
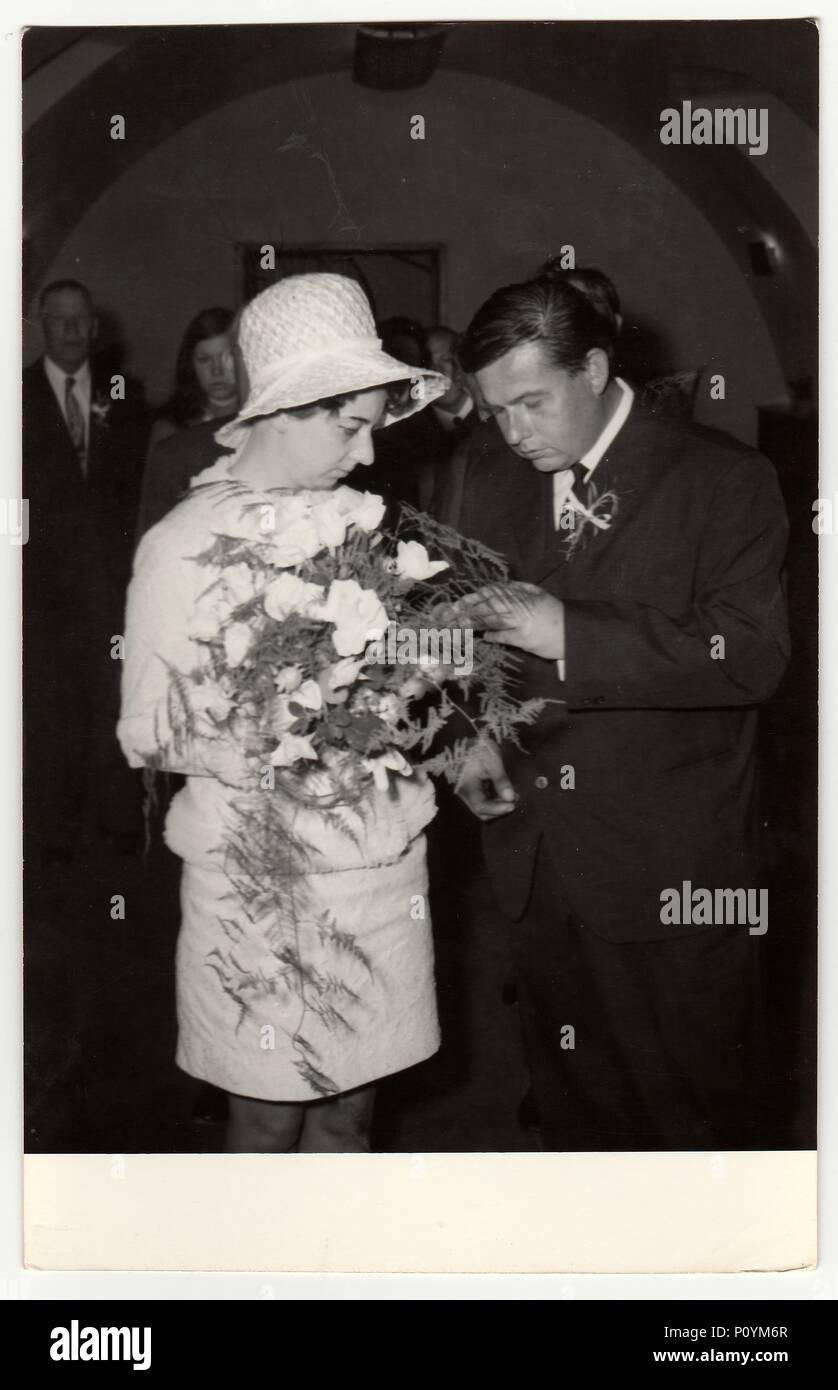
x=397, y=394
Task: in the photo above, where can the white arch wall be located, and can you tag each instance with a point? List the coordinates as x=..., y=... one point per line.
x=502, y=179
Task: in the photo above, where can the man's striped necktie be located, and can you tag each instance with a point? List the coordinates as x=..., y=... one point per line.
x=75, y=422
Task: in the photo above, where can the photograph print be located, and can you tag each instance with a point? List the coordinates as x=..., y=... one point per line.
x=418, y=527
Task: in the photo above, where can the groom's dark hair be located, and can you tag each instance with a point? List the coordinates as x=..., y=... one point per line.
x=594, y=284
x=545, y=310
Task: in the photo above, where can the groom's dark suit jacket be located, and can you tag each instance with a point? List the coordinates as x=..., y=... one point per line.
x=660, y=735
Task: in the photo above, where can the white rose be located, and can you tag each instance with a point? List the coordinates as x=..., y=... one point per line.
x=239, y=583
x=241, y=522
x=237, y=640
x=363, y=509
x=354, y=612
x=390, y=708
x=331, y=521
x=308, y=694
x=368, y=510
x=412, y=561
x=290, y=749
x=344, y=672
x=295, y=543
x=293, y=507
x=335, y=680
x=380, y=764
x=212, y=610
x=289, y=594
x=414, y=688
x=289, y=678
x=434, y=671
x=346, y=498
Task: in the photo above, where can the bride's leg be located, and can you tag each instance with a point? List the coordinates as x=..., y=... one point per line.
x=340, y=1124
x=262, y=1126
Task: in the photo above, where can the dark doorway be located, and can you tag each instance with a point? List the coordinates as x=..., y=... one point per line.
x=398, y=280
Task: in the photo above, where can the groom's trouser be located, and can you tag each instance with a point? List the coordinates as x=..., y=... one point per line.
x=638, y=1045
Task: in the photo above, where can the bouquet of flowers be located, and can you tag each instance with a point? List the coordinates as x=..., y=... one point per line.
x=319, y=638
x=323, y=679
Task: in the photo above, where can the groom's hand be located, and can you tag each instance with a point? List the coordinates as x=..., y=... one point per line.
x=484, y=785
x=520, y=615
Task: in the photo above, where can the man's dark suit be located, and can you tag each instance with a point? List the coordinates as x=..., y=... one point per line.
x=116, y=443
x=411, y=459
x=76, y=566
x=660, y=736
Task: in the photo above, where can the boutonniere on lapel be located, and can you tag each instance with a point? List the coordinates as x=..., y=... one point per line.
x=100, y=410
x=583, y=520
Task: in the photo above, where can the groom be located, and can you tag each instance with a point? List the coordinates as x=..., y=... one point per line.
x=647, y=608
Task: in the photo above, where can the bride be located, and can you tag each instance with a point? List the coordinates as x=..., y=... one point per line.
x=298, y=1067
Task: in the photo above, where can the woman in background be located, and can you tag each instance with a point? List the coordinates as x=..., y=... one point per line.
x=205, y=377
x=206, y=394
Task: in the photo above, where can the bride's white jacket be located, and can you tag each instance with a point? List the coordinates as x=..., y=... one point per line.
x=162, y=598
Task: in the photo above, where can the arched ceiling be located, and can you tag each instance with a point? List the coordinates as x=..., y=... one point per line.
x=618, y=74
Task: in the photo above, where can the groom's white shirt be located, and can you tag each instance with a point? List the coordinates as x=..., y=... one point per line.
x=563, y=481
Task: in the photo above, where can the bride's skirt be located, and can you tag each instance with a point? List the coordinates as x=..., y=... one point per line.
x=330, y=993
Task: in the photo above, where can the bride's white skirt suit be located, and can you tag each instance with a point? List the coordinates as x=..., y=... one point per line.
x=337, y=990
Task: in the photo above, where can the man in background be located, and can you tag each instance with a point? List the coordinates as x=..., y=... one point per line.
x=84, y=424
x=83, y=439
x=457, y=414
x=454, y=410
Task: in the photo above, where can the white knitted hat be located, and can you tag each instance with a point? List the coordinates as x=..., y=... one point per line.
x=308, y=337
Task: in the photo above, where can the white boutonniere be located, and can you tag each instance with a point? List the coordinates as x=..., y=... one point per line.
x=100, y=409
x=588, y=520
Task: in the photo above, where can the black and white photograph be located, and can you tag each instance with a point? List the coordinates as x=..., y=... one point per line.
x=419, y=532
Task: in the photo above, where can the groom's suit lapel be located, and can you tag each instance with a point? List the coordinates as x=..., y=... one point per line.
x=623, y=470
x=512, y=502
x=530, y=518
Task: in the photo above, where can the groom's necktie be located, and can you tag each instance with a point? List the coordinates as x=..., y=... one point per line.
x=75, y=422
x=583, y=491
